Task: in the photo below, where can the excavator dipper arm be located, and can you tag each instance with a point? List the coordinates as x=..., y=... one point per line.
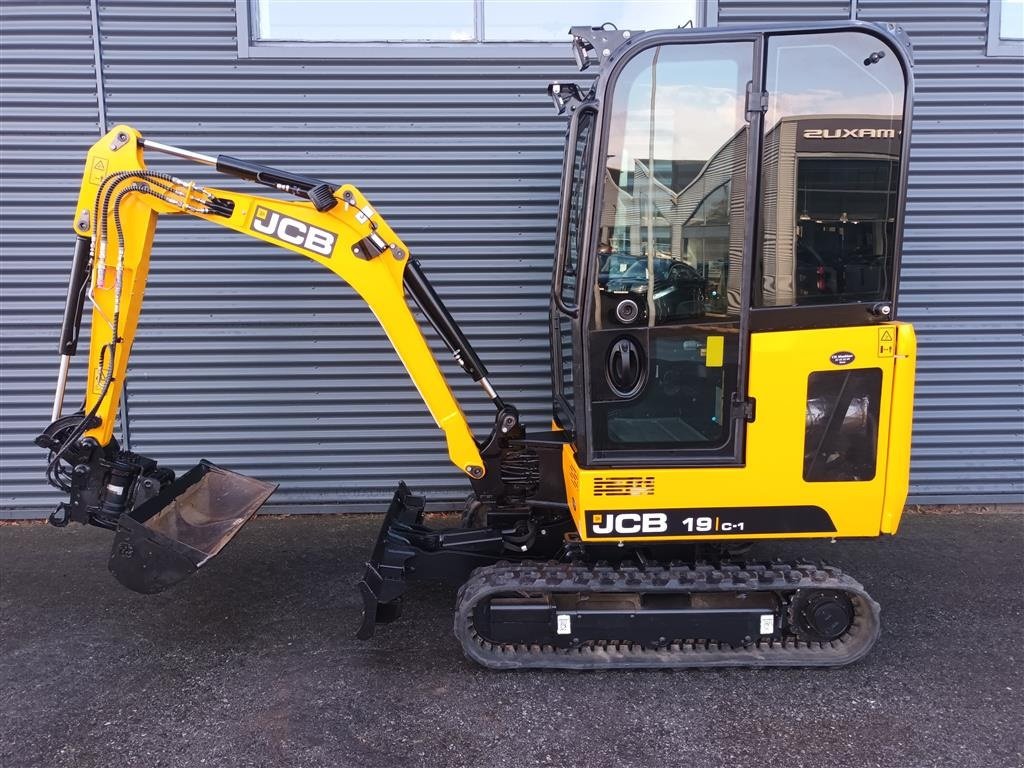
x=119, y=205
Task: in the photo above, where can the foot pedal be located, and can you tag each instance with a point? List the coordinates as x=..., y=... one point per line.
x=170, y=536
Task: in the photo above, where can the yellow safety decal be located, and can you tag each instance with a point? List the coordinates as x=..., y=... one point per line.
x=886, y=341
x=714, y=351
x=98, y=171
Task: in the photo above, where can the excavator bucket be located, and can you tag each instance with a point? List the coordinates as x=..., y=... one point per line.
x=170, y=536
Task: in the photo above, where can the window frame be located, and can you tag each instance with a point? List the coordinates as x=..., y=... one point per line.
x=996, y=44
x=251, y=47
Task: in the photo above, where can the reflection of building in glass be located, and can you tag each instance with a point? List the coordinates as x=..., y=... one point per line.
x=829, y=186
x=690, y=210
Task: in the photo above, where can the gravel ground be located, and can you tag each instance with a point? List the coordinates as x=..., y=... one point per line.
x=253, y=663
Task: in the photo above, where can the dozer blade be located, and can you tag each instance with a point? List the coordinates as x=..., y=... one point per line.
x=170, y=536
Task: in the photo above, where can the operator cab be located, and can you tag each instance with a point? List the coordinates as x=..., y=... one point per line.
x=718, y=185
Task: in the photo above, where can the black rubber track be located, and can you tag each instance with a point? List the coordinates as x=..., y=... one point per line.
x=780, y=650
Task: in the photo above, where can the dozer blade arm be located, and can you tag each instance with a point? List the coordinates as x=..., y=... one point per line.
x=118, y=206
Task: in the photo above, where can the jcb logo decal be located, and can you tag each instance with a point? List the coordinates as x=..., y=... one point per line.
x=292, y=231
x=630, y=523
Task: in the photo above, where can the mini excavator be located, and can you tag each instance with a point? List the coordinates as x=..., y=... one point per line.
x=727, y=366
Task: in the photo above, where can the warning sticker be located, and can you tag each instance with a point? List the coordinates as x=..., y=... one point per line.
x=97, y=171
x=714, y=351
x=563, y=624
x=886, y=342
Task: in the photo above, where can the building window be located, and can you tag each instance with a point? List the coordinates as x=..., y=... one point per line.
x=315, y=27
x=1006, y=28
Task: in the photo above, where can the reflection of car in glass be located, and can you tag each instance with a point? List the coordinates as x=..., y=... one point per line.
x=679, y=290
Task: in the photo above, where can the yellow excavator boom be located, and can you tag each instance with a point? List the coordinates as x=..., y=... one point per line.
x=118, y=207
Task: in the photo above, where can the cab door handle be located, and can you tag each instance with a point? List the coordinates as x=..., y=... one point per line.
x=625, y=367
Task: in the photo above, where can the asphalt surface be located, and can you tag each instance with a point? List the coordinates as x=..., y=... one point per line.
x=252, y=662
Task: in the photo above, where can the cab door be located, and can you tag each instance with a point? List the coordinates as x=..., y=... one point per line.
x=664, y=305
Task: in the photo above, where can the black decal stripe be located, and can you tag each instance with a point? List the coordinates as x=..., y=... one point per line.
x=755, y=520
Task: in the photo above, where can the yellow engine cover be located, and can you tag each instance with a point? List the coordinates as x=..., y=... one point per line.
x=768, y=496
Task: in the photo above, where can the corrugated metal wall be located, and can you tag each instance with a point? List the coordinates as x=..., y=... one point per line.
x=754, y=12
x=267, y=364
x=48, y=113
x=963, y=252
x=263, y=361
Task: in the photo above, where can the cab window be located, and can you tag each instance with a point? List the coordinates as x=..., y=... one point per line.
x=830, y=175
